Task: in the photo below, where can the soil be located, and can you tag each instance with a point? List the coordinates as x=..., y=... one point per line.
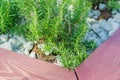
x=41, y=55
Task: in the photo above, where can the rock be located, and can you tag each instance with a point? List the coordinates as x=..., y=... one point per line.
x=15, y=44
x=1, y=42
x=90, y=14
x=28, y=45
x=4, y=38
x=41, y=46
x=117, y=17
x=96, y=28
x=96, y=13
x=32, y=54
x=95, y=17
x=114, y=27
x=103, y=35
x=91, y=21
x=13, y=40
x=19, y=52
x=47, y=53
x=102, y=6
x=6, y=45
x=111, y=20
x=58, y=59
x=97, y=41
x=114, y=12
x=105, y=25
x=26, y=52
x=91, y=37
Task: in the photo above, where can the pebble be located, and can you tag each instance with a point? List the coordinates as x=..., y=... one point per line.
x=96, y=13
x=32, y=55
x=3, y=38
x=6, y=45
x=28, y=45
x=102, y=6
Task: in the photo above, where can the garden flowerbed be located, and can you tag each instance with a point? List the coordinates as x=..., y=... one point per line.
x=60, y=32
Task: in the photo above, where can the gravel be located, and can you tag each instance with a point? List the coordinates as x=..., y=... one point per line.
x=101, y=30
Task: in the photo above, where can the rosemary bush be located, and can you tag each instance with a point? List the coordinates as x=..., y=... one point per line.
x=61, y=23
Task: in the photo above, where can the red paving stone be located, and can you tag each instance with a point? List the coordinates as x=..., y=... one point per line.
x=15, y=66
x=104, y=62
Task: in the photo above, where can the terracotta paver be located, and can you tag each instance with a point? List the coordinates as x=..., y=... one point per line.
x=104, y=62
x=15, y=66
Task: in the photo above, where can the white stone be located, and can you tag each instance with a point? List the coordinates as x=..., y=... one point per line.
x=102, y=6
x=96, y=12
x=19, y=52
x=1, y=42
x=28, y=45
x=117, y=17
x=105, y=25
x=91, y=21
x=97, y=41
x=41, y=46
x=114, y=27
x=59, y=63
x=96, y=28
x=13, y=40
x=103, y=35
x=26, y=52
x=6, y=45
x=95, y=17
x=4, y=38
x=114, y=12
x=47, y=53
x=90, y=14
x=32, y=54
x=90, y=38
x=111, y=20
